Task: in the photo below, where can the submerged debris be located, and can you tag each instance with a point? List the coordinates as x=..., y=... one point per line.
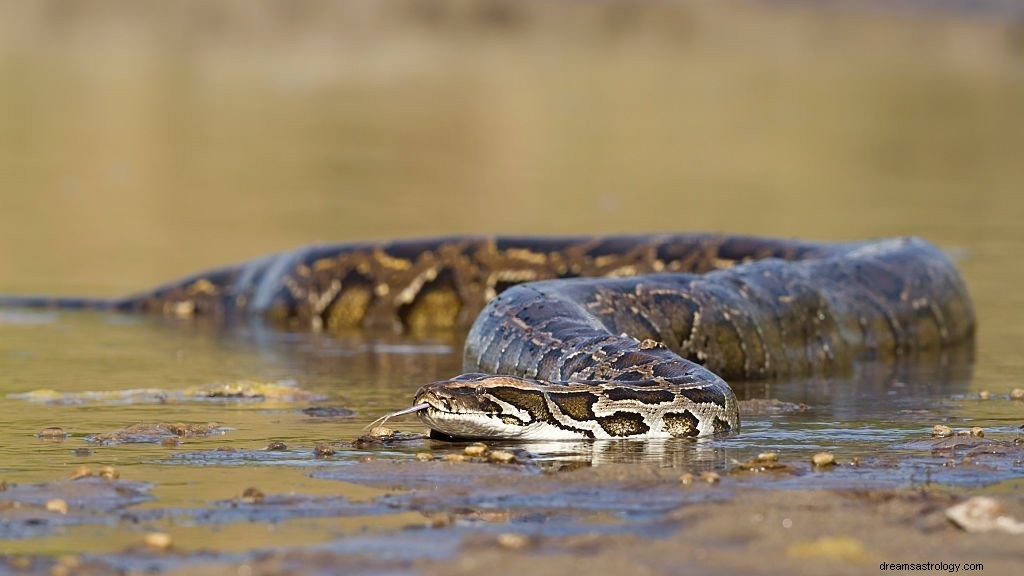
x=760, y=406
x=328, y=412
x=764, y=462
x=323, y=450
x=157, y=433
x=387, y=436
x=52, y=433
x=281, y=391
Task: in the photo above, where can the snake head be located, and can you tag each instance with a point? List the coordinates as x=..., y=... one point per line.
x=481, y=405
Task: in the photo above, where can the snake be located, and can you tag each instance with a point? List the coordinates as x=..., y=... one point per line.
x=606, y=337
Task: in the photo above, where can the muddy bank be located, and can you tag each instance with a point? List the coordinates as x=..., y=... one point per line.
x=465, y=515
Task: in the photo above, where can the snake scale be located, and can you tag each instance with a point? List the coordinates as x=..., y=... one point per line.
x=599, y=337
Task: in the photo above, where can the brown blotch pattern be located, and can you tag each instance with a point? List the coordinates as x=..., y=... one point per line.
x=622, y=424
x=531, y=401
x=645, y=396
x=577, y=405
x=681, y=424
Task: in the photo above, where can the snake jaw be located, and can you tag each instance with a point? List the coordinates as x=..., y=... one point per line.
x=462, y=407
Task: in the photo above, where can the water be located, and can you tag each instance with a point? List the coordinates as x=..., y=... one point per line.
x=143, y=144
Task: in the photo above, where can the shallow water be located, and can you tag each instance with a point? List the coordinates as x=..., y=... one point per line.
x=218, y=135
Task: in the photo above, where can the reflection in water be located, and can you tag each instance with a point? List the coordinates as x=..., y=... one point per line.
x=690, y=454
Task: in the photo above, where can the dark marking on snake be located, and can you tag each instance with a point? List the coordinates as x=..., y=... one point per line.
x=623, y=424
x=681, y=424
x=577, y=405
x=644, y=396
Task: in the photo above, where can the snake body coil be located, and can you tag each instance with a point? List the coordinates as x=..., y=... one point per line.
x=640, y=354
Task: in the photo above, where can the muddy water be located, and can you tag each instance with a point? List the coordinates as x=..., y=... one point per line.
x=138, y=144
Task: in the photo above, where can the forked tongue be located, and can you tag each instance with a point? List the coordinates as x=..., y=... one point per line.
x=380, y=421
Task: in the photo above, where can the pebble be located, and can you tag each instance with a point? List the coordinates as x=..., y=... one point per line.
x=109, y=473
x=158, y=540
x=277, y=446
x=454, y=458
x=52, y=433
x=81, y=472
x=1017, y=394
x=823, y=459
x=978, y=432
x=984, y=395
x=941, y=431
x=502, y=457
x=381, y=432
x=57, y=505
x=424, y=456
x=476, y=449
x=253, y=496
x=710, y=477
x=768, y=457
x=323, y=450
x=686, y=479
x=513, y=540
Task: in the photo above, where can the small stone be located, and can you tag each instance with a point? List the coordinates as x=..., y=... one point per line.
x=381, y=432
x=424, y=456
x=768, y=457
x=52, y=433
x=686, y=479
x=941, y=431
x=158, y=540
x=502, y=457
x=513, y=540
x=978, y=432
x=476, y=449
x=454, y=458
x=984, y=395
x=710, y=477
x=66, y=566
x=81, y=472
x=323, y=450
x=253, y=496
x=276, y=446
x=57, y=505
x=1017, y=394
x=823, y=459
x=109, y=473
x=170, y=442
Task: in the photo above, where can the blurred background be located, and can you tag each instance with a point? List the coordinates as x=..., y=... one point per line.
x=141, y=140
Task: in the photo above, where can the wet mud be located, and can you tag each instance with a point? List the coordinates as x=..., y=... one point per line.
x=455, y=508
